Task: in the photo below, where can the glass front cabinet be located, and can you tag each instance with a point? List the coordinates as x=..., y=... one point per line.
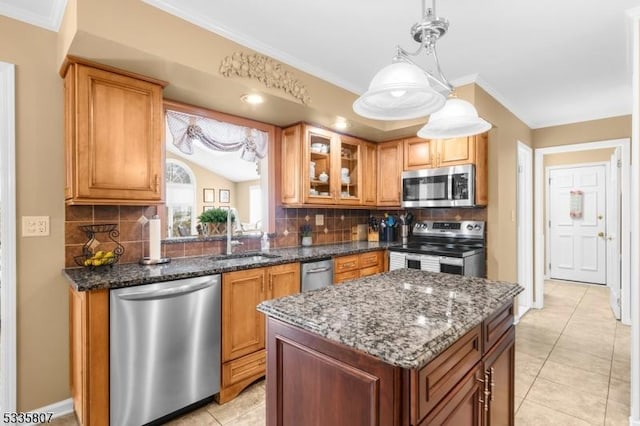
x=332, y=168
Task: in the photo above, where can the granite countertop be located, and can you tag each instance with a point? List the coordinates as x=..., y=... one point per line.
x=404, y=317
x=131, y=274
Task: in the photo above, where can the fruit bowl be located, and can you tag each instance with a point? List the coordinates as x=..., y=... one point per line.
x=100, y=258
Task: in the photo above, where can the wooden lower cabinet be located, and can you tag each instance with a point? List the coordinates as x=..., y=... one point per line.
x=357, y=266
x=89, y=355
x=243, y=327
x=467, y=384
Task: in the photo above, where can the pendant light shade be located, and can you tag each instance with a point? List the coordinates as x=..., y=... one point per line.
x=457, y=119
x=400, y=91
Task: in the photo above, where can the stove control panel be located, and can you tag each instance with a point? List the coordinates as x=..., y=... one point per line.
x=455, y=229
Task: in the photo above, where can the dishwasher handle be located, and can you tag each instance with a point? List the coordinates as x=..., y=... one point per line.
x=318, y=270
x=167, y=292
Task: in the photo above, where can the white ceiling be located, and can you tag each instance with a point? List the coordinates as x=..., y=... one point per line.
x=549, y=62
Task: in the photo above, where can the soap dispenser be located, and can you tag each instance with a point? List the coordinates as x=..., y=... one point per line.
x=264, y=243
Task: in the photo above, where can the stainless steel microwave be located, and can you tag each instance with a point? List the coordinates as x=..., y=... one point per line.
x=440, y=187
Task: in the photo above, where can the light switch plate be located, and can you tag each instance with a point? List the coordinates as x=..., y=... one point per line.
x=319, y=219
x=35, y=226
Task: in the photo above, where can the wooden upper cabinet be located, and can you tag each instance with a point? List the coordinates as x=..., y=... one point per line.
x=369, y=174
x=418, y=154
x=291, y=172
x=390, y=162
x=321, y=167
x=453, y=152
x=113, y=136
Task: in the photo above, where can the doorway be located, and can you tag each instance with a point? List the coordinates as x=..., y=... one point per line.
x=525, y=227
x=576, y=222
x=7, y=240
x=539, y=240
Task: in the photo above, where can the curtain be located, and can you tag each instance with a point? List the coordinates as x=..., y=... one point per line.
x=216, y=135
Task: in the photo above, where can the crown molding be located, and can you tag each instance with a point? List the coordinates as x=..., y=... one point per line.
x=48, y=17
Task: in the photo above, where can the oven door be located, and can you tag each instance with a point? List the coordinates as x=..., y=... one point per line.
x=452, y=265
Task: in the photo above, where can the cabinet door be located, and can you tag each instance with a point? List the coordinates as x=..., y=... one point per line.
x=418, y=153
x=89, y=355
x=242, y=324
x=318, y=176
x=291, y=153
x=347, y=170
x=453, y=152
x=369, y=174
x=482, y=172
x=389, y=173
x=119, y=143
x=499, y=365
x=284, y=280
x=463, y=405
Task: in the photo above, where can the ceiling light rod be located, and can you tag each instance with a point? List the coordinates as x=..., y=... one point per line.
x=427, y=32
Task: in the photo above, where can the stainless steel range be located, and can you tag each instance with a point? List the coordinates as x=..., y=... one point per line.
x=454, y=247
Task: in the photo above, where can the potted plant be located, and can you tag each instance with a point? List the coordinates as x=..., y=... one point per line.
x=214, y=221
x=305, y=231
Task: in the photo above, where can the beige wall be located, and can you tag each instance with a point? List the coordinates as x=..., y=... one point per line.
x=42, y=305
x=242, y=199
x=501, y=210
x=207, y=179
x=580, y=157
x=588, y=131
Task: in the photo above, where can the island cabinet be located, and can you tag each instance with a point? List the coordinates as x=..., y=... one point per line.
x=469, y=383
x=390, y=160
x=113, y=135
x=321, y=167
x=357, y=265
x=243, y=328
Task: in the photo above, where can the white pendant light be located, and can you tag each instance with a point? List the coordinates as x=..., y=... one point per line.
x=403, y=90
x=399, y=91
x=457, y=119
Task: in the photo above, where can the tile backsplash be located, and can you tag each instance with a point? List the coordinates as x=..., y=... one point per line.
x=134, y=236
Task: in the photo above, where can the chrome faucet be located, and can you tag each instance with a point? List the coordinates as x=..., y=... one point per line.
x=230, y=242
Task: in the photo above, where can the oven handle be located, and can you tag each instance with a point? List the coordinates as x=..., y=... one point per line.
x=455, y=261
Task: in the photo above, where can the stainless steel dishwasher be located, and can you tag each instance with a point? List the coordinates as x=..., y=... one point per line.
x=164, y=348
x=316, y=274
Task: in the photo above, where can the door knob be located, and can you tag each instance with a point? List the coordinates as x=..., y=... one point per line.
x=600, y=216
x=601, y=234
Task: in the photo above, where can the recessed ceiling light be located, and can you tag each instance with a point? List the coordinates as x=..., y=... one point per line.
x=341, y=123
x=252, y=99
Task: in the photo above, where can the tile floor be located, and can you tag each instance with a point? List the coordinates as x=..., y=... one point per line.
x=572, y=360
x=572, y=367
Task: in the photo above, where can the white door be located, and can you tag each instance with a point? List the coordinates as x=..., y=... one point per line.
x=577, y=207
x=525, y=227
x=613, y=232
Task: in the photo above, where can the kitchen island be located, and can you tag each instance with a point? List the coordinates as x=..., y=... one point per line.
x=407, y=347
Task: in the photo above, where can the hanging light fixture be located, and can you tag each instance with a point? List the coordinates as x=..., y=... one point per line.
x=404, y=91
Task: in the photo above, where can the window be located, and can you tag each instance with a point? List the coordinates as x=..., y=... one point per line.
x=255, y=205
x=181, y=199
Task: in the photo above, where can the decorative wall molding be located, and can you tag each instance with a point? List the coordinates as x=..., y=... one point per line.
x=265, y=70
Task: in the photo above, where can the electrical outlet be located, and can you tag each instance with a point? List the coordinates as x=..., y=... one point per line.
x=35, y=226
x=319, y=219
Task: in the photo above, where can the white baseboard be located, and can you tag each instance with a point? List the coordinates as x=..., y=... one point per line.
x=58, y=409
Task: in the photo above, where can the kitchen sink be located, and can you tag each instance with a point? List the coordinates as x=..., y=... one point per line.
x=252, y=257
